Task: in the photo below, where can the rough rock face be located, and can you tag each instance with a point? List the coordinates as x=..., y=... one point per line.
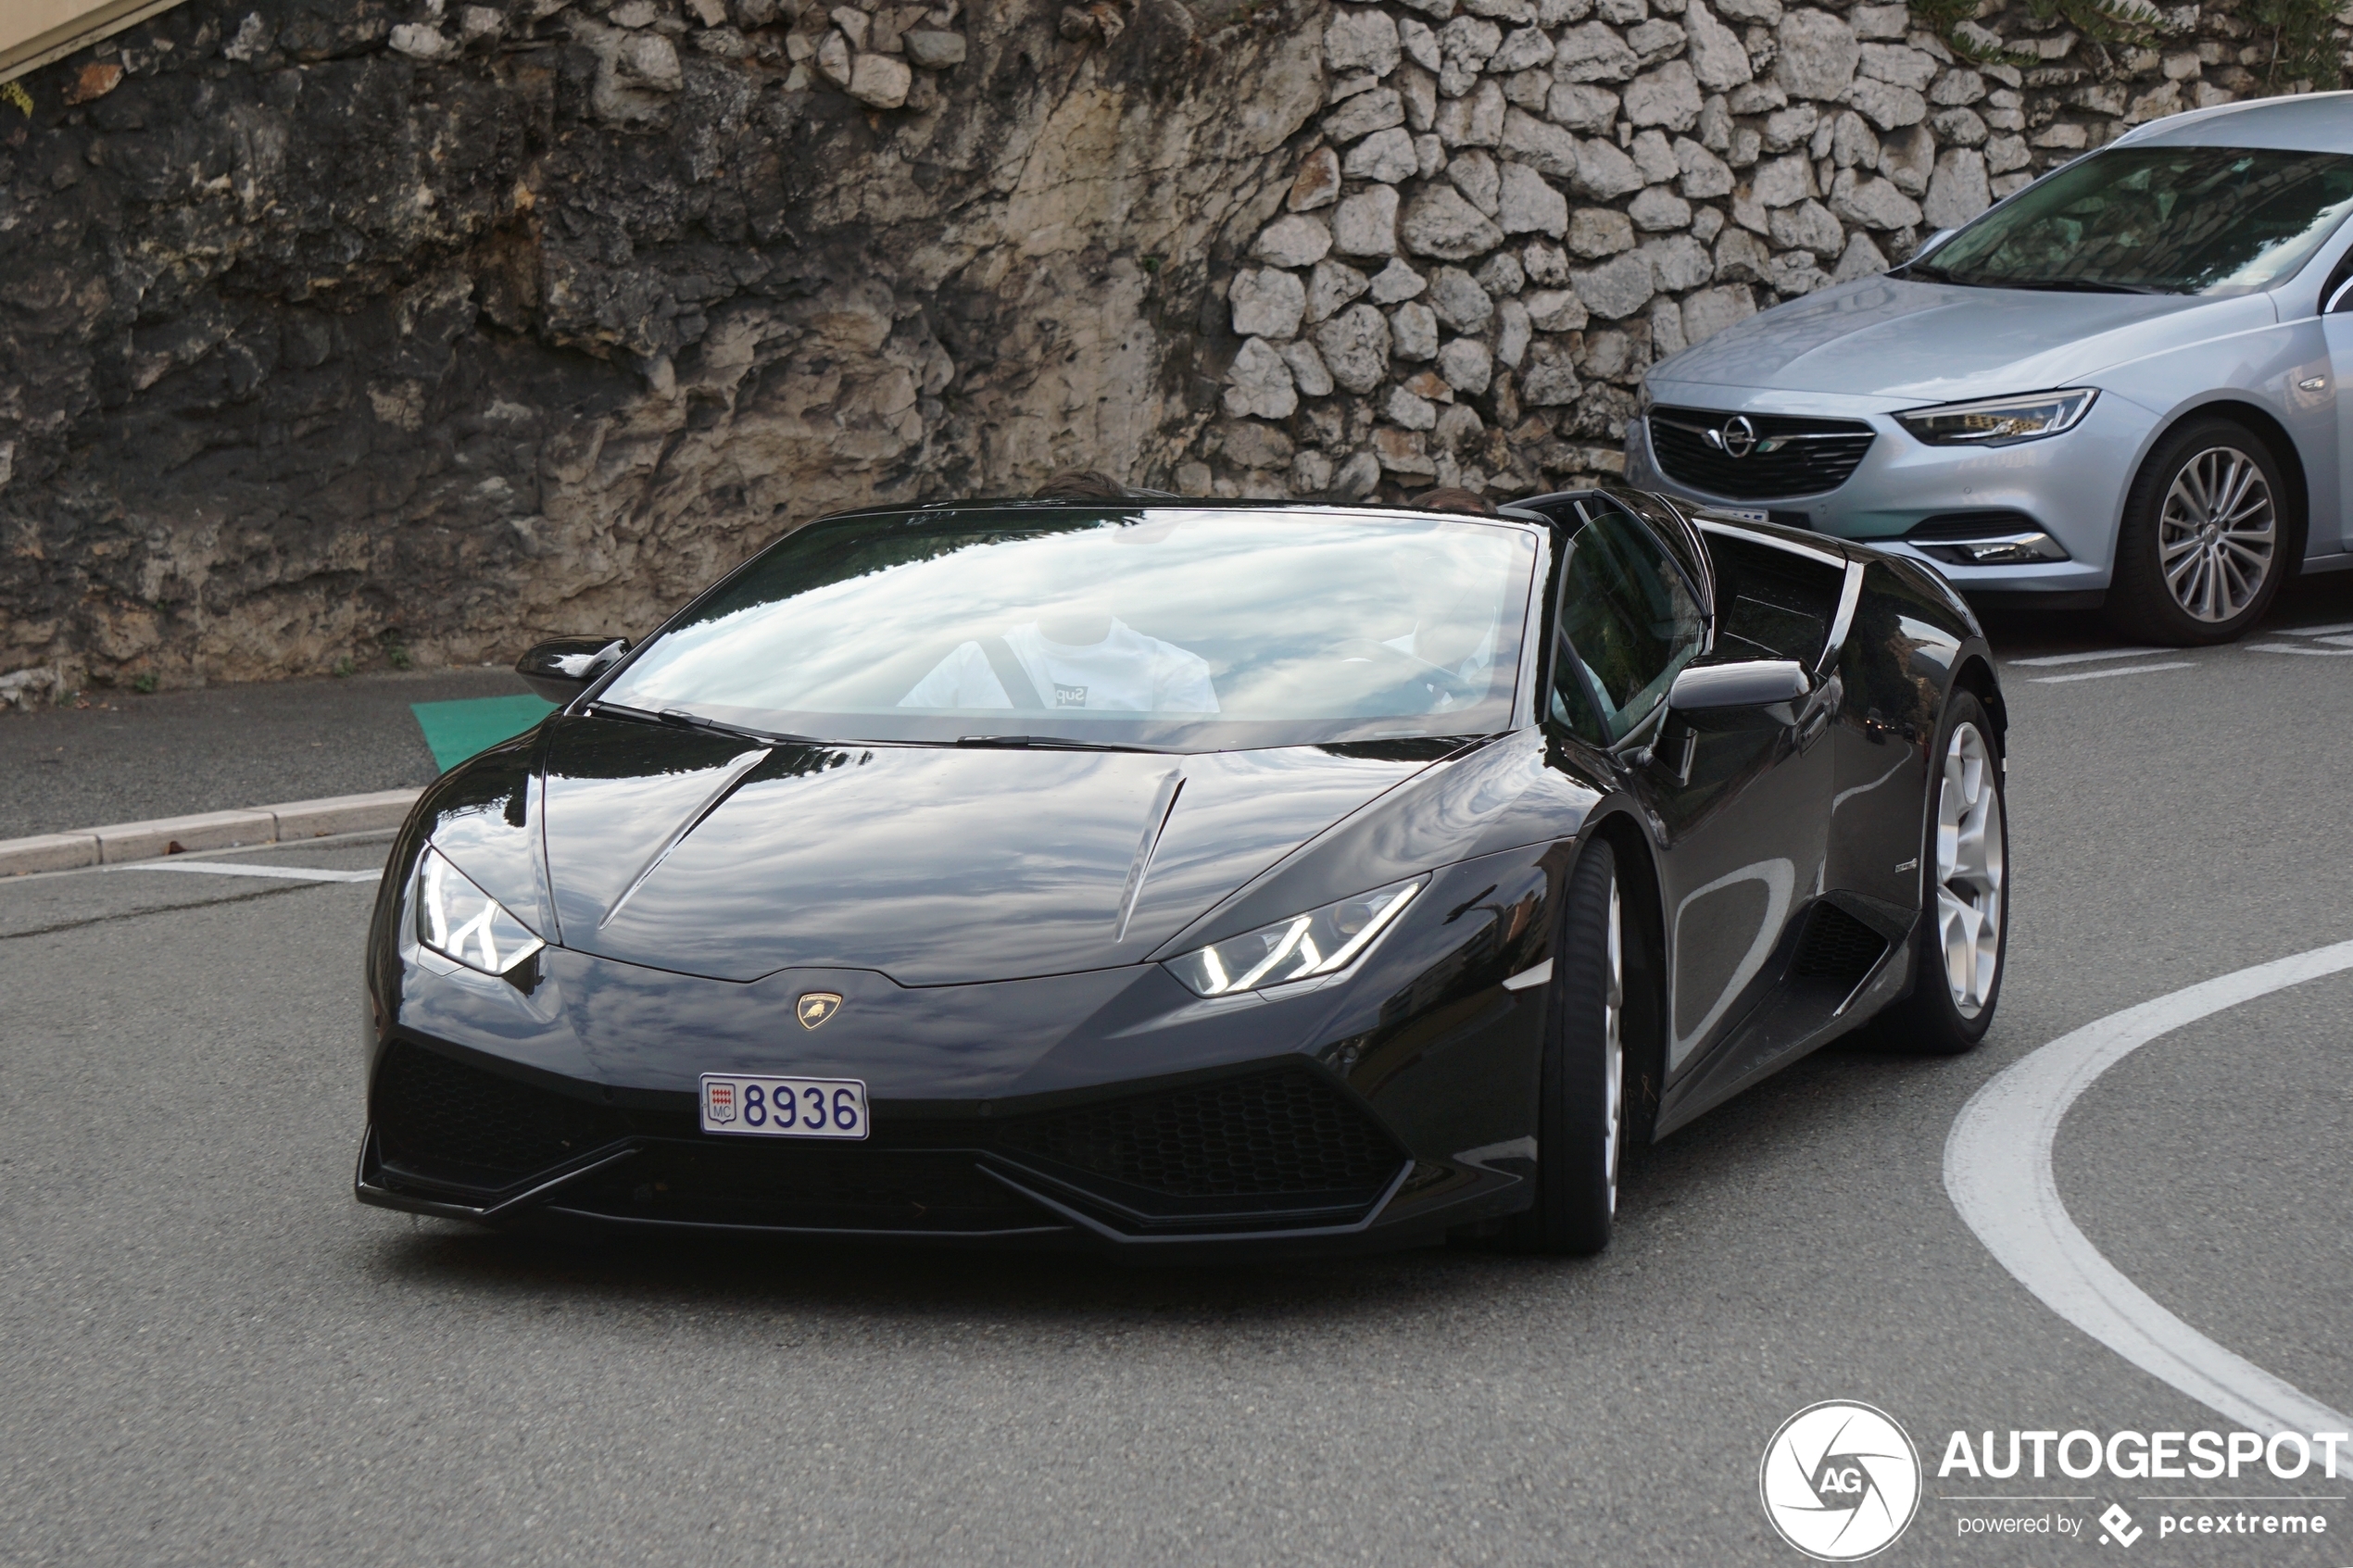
x=340, y=331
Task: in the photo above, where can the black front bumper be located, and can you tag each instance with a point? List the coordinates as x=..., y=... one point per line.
x=1268, y=1153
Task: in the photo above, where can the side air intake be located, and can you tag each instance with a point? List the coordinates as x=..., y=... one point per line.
x=1837, y=947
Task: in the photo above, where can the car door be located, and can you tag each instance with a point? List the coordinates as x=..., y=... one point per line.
x=2331, y=527
x=1739, y=799
x=1855, y=626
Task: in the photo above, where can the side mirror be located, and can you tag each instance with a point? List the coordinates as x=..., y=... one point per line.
x=560, y=670
x=1754, y=683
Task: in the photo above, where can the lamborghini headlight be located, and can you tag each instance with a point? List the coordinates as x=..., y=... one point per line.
x=460, y=920
x=1322, y=941
x=2000, y=422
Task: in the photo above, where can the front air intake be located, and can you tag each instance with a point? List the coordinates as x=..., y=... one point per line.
x=1287, y=1137
x=447, y=1121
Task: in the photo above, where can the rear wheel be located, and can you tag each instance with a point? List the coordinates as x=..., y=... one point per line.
x=1581, y=1111
x=2205, y=543
x=1962, y=937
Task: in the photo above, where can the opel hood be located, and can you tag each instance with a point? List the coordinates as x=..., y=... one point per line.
x=1913, y=343
x=934, y=865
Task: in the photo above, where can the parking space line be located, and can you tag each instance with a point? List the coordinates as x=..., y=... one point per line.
x=2047, y=660
x=2317, y=631
x=1997, y=1172
x=2345, y=647
x=2102, y=674
x=224, y=868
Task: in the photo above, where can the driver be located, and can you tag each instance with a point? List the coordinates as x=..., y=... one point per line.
x=1453, y=612
x=1074, y=655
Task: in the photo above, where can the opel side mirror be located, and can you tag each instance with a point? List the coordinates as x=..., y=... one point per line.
x=563, y=668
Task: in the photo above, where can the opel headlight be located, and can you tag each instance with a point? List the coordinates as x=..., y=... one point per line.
x=1322, y=941
x=2000, y=422
x=460, y=920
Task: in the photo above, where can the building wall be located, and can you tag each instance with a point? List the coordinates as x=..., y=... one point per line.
x=335, y=331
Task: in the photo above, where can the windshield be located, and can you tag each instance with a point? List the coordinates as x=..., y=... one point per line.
x=2205, y=221
x=1185, y=628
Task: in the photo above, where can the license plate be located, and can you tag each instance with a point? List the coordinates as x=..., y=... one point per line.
x=783, y=1108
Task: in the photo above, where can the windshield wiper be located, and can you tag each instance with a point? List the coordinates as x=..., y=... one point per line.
x=1045, y=742
x=679, y=719
x=1928, y=273
x=1925, y=271
x=2073, y=285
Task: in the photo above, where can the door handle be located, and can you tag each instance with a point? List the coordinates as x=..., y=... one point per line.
x=1816, y=715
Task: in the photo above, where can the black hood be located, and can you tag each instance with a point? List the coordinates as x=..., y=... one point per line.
x=711, y=856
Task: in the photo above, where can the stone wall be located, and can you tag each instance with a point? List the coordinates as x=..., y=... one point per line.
x=338, y=332
x=1511, y=208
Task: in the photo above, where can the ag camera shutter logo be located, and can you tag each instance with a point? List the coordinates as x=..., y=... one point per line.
x=1840, y=1481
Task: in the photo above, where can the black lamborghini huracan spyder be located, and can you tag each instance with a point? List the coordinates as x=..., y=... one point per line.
x=1177, y=876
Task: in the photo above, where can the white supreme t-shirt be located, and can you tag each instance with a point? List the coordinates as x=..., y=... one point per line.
x=1125, y=672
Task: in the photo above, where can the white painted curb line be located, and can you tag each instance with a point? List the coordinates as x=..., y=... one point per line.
x=292, y=821
x=1997, y=1169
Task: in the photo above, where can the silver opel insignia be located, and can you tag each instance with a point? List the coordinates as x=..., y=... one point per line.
x=2118, y=386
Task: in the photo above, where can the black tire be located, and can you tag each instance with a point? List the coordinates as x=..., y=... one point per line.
x=2141, y=602
x=1933, y=1019
x=1582, y=1112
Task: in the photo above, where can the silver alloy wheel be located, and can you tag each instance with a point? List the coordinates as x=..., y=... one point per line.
x=2216, y=533
x=1614, y=1050
x=1969, y=871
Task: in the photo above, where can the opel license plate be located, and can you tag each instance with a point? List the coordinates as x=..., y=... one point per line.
x=783, y=1108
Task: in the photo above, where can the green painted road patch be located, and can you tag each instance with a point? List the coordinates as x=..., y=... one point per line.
x=455, y=731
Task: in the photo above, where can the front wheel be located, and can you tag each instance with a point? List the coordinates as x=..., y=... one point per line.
x=1581, y=1120
x=1964, y=926
x=2205, y=542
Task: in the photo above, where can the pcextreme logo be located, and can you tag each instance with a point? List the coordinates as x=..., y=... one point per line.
x=1841, y=1481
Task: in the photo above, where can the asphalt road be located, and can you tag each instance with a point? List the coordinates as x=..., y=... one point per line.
x=213, y=1355
x=128, y=757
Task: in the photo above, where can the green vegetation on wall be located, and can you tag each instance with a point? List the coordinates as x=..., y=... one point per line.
x=2302, y=35
x=2304, y=41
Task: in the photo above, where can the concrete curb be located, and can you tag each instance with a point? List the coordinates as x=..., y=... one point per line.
x=293, y=820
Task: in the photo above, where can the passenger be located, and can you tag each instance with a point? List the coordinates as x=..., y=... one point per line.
x=1075, y=655
x=1080, y=485
x=1454, y=498
x=1453, y=630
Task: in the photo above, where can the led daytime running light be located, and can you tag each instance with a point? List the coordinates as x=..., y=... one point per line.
x=1318, y=943
x=2000, y=422
x=460, y=920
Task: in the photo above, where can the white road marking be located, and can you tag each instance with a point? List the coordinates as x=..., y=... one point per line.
x=1997, y=1170
x=2050, y=660
x=2317, y=631
x=2104, y=674
x=228, y=868
x=2337, y=652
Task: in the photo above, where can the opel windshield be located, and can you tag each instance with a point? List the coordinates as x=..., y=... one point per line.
x=2187, y=220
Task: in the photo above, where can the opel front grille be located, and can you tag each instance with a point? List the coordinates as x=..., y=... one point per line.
x=1756, y=456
